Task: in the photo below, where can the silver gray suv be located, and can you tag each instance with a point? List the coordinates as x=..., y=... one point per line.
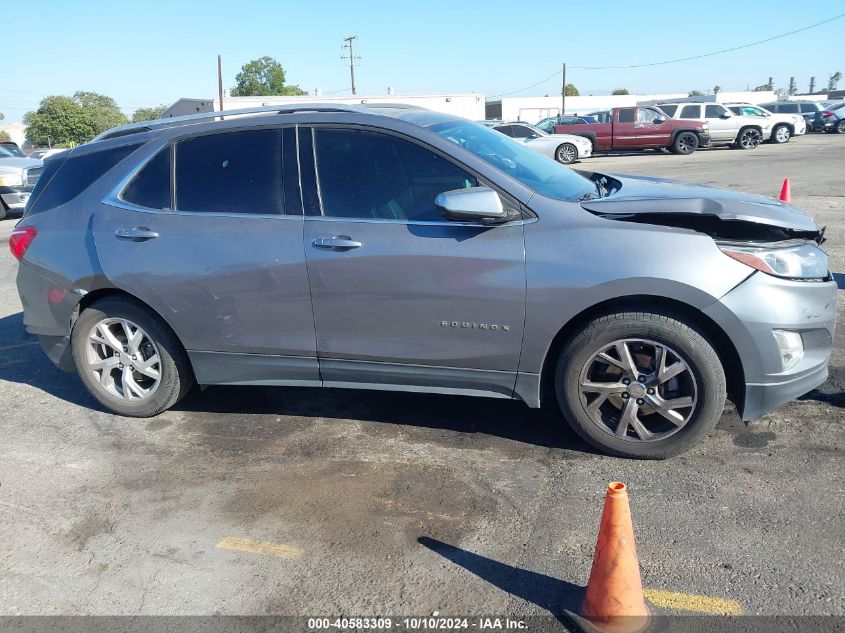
x=396, y=248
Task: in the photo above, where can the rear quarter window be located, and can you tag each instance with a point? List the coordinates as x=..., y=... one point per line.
x=63, y=179
x=150, y=188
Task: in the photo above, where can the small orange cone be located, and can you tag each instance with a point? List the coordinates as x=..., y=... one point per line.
x=786, y=192
x=614, y=602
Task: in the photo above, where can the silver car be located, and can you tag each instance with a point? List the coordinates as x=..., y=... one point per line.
x=396, y=248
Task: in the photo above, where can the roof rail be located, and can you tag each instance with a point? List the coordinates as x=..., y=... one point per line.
x=146, y=126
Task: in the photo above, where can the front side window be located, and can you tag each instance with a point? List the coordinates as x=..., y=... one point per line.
x=364, y=174
x=690, y=112
x=507, y=130
x=230, y=172
x=809, y=107
x=788, y=108
x=646, y=116
x=713, y=111
x=520, y=131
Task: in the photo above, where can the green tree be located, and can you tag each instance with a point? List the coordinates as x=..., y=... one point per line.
x=263, y=77
x=764, y=88
x=717, y=89
x=148, y=114
x=571, y=91
x=620, y=91
x=696, y=93
x=4, y=136
x=66, y=121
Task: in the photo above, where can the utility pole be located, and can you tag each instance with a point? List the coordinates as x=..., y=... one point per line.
x=792, y=88
x=812, y=85
x=351, y=57
x=220, y=80
x=563, y=93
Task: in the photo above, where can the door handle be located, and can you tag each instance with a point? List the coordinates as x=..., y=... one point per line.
x=338, y=242
x=137, y=234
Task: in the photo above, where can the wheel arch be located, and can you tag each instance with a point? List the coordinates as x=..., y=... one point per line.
x=707, y=327
x=682, y=130
x=99, y=294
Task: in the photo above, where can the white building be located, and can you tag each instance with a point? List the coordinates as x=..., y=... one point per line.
x=467, y=105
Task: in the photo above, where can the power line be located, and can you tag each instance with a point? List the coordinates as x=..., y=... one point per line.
x=678, y=60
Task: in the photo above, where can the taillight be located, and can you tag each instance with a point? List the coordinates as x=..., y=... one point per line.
x=826, y=114
x=20, y=239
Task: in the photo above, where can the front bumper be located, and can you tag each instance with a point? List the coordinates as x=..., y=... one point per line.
x=704, y=139
x=585, y=151
x=15, y=197
x=750, y=313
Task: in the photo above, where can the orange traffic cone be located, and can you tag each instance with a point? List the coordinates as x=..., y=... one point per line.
x=614, y=602
x=786, y=192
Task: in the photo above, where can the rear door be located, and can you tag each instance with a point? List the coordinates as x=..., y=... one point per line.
x=209, y=234
x=402, y=296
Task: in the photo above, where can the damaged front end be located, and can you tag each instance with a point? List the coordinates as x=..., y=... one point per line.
x=763, y=233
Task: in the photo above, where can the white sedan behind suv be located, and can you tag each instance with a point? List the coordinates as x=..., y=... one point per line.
x=784, y=126
x=564, y=148
x=726, y=128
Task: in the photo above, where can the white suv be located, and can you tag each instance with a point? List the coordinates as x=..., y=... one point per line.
x=726, y=128
x=784, y=126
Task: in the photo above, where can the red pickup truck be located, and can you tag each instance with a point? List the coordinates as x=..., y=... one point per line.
x=642, y=128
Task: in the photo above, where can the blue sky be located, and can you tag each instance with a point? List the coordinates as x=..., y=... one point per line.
x=154, y=51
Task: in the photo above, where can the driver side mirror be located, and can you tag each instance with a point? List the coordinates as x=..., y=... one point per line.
x=726, y=115
x=475, y=204
x=659, y=120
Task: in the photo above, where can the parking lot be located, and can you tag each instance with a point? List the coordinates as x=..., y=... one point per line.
x=325, y=502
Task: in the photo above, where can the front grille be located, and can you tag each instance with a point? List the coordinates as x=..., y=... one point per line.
x=32, y=176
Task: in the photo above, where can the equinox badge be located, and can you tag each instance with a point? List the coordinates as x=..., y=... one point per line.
x=477, y=326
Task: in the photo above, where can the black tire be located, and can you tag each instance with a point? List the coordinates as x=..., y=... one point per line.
x=781, y=134
x=748, y=138
x=3, y=210
x=176, y=377
x=840, y=126
x=684, y=341
x=566, y=153
x=684, y=143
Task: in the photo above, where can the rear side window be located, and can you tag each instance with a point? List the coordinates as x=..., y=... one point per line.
x=669, y=109
x=64, y=179
x=151, y=187
x=230, y=172
x=627, y=115
x=690, y=112
x=788, y=108
x=809, y=107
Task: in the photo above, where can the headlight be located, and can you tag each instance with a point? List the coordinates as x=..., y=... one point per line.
x=11, y=180
x=705, y=126
x=802, y=261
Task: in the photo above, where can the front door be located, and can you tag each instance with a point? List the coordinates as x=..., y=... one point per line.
x=402, y=297
x=216, y=256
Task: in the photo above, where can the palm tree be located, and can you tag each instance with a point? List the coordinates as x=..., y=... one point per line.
x=834, y=79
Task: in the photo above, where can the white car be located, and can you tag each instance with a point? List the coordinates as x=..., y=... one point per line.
x=784, y=126
x=564, y=148
x=726, y=128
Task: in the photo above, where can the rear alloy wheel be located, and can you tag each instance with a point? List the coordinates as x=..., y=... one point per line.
x=749, y=138
x=781, y=134
x=128, y=359
x=566, y=153
x=640, y=385
x=685, y=143
x=840, y=126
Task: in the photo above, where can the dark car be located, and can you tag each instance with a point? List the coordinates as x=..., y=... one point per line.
x=396, y=248
x=819, y=119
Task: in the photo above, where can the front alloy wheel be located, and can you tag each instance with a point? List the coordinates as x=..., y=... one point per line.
x=640, y=384
x=781, y=134
x=638, y=390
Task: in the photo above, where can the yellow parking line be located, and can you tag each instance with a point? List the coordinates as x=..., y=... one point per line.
x=692, y=602
x=259, y=547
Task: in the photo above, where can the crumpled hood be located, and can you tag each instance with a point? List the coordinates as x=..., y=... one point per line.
x=642, y=195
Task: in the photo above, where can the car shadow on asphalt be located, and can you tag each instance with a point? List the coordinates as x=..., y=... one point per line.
x=546, y=592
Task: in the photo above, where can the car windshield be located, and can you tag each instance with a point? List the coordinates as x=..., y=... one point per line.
x=534, y=170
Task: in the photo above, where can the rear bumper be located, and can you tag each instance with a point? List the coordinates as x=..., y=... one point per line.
x=15, y=197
